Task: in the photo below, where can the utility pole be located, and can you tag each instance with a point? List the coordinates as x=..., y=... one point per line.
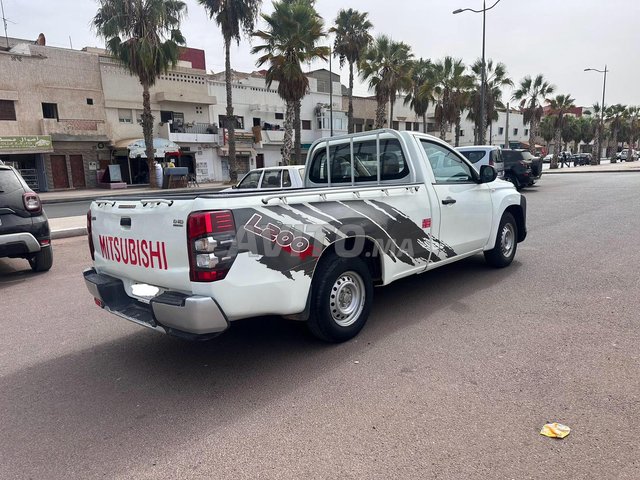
x=4, y=20
x=506, y=130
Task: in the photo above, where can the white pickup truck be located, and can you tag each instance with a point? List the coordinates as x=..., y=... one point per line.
x=377, y=206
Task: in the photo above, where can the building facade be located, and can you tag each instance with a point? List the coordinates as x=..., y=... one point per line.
x=52, y=118
x=260, y=112
x=180, y=105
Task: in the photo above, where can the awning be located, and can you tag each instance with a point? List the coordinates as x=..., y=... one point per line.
x=136, y=147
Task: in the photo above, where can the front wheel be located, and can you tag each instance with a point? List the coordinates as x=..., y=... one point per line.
x=501, y=255
x=342, y=295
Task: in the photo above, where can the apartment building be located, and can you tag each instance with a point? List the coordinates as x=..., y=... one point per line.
x=52, y=118
x=260, y=111
x=180, y=104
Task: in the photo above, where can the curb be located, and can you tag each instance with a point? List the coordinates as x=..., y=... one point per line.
x=555, y=172
x=68, y=232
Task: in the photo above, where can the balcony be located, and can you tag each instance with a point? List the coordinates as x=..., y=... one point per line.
x=68, y=129
x=190, y=133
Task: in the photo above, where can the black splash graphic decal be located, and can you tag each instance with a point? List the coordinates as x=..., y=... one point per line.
x=290, y=248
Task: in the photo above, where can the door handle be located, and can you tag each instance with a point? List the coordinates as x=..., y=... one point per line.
x=448, y=201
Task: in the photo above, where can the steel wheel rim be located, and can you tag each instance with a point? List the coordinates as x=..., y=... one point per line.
x=507, y=240
x=347, y=298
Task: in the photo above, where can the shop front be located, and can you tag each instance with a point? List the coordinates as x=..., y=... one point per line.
x=131, y=156
x=26, y=154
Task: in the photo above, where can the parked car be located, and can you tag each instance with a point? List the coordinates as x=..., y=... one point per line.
x=480, y=155
x=24, y=228
x=275, y=178
x=580, y=159
x=377, y=206
x=547, y=158
x=521, y=168
x=624, y=155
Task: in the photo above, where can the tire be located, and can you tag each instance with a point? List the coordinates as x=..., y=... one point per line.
x=43, y=260
x=341, y=298
x=501, y=255
x=514, y=180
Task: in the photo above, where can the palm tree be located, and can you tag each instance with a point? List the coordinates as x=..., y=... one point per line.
x=599, y=133
x=633, y=125
x=386, y=65
x=587, y=129
x=144, y=35
x=352, y=38
x=532, y=93
x=547, y=129
x=452, y=89
x=615, y=118
x=496, y=80
x=571, y=132
x=232, y=16
x=560, y=105
x=420, y=93
x=290, y=39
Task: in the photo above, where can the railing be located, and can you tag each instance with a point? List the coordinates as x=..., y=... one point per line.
x=323, y=192
x=201, y=128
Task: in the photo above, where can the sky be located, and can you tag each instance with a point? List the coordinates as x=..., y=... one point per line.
x=558, y=38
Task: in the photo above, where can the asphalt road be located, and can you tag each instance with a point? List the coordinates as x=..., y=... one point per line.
x=66, y=209
x=453, y=377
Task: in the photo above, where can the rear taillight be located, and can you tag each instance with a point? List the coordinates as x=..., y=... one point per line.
x=212, y=246
x=90, y=236
x=31, y=202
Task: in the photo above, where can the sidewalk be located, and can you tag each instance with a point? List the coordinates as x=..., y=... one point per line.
x=62, y=196
x=605, y=168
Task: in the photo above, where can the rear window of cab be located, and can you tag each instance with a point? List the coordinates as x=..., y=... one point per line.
x=393, y=165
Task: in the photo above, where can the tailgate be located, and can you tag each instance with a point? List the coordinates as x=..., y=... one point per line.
x=143, y=241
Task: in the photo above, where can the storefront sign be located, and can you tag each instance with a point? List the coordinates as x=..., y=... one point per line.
x=26, y=142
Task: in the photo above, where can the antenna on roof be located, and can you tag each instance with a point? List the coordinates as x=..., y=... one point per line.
x=4, y=20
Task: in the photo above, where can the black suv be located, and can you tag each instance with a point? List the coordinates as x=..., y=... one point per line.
x=521, y=168
x=24, y=228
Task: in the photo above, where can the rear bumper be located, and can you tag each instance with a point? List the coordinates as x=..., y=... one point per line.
x=18, y=244
x=192, y=317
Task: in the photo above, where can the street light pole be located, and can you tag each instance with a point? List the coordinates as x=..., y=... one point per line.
x=601, y=126
x=483, y=103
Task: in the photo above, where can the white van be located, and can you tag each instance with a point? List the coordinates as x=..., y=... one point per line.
x=480, y=155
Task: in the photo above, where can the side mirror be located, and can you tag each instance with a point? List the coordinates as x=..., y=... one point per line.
x=234, y=186
x=488, y=173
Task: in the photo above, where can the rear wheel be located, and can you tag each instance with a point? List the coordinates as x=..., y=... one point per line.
x=514, y=180
x=342, y=294
x=501, y=255
x=43, y=260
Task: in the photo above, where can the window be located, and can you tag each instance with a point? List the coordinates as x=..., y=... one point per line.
x=9, y=182
x=7, y=110
x=365, y=169
x=501, y=131
x=526, y=132
x=515, y=131
x=139, y=116
x=50, y=110
x=359, y=127
x=251, y=180
x=124, y=115
x=323, y=86
x=286, y=180
x=408, y=125
x=447, y=166
x=462, y=133
x=416, y=126
x=395, y=125
x=222, y=119
x=306, y=124
x=474, y=156
x=89, y=101
x=256, y=122
x=271, y=179
x=279, y=116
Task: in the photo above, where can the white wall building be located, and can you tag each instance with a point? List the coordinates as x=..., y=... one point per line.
x=260, y=117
